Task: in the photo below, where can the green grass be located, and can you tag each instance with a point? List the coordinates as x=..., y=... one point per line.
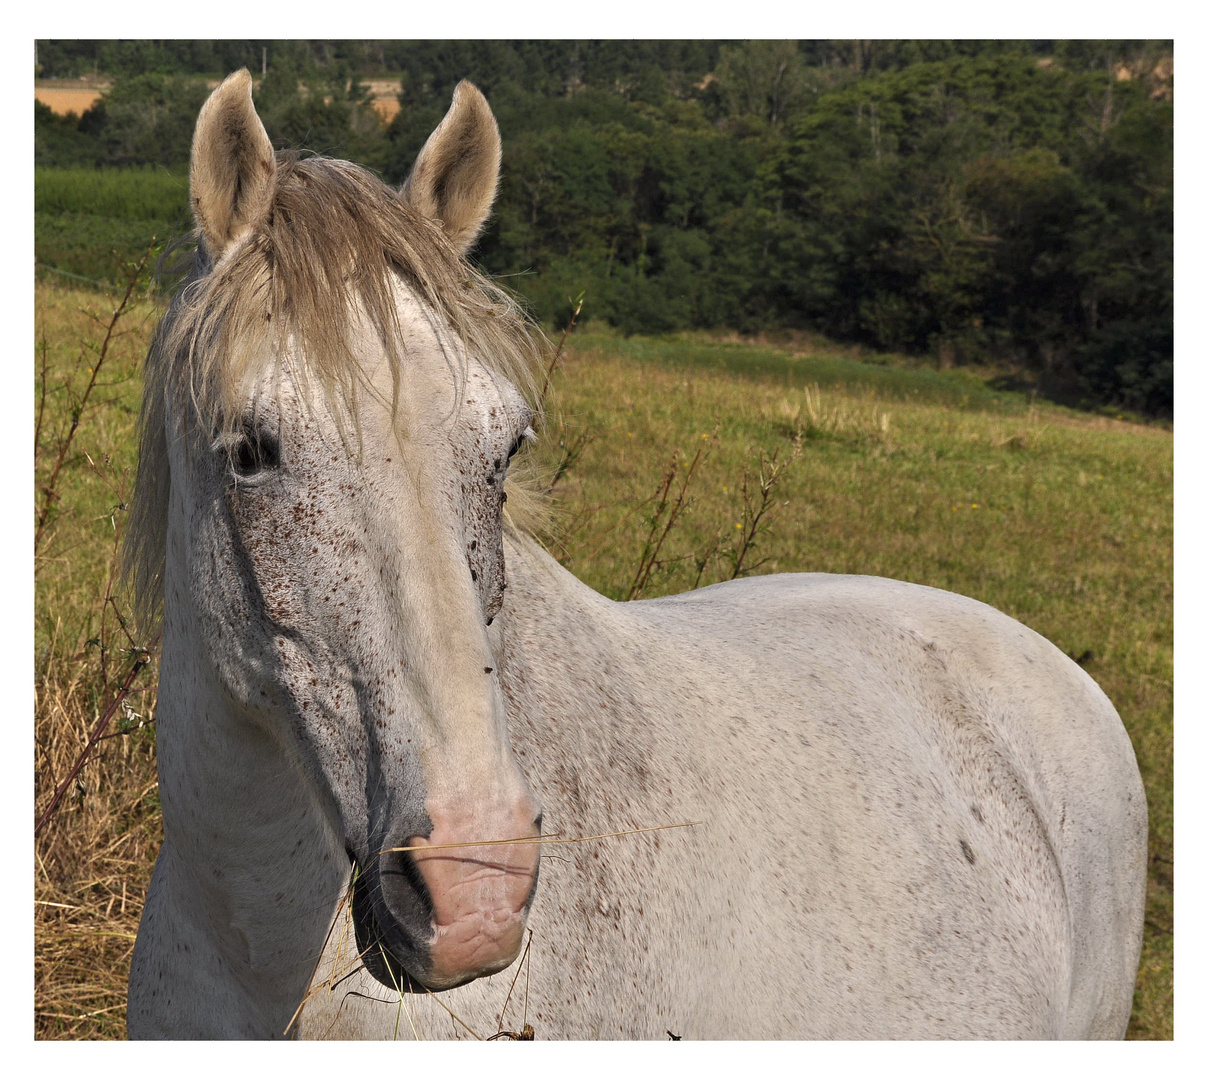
x=73, y=560
x=133, y=194
x=888, y=377
x=1060, y=519
x=90, y=223
x=93, y=248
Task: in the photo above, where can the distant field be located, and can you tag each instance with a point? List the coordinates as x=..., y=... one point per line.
x=63, y=99
x=136, y=194
x=67, y=99
x=385, y=97
x=1062, y=520
x=893, y=377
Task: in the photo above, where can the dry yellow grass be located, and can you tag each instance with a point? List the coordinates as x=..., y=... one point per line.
x=93, y=860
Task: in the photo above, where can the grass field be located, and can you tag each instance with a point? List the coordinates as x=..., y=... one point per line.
x=91, y=222
x=1061, y=519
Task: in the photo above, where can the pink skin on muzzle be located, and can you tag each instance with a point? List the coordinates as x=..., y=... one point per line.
x=478, y=893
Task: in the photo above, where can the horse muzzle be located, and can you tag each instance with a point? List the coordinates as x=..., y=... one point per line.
x=450, y=908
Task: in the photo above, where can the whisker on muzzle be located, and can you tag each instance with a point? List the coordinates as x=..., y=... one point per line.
x=546, y=838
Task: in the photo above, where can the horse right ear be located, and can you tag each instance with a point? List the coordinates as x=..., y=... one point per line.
x=232, y=168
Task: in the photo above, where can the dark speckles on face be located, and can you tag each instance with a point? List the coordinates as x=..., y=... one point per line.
x=308, y=586
x=481, y=441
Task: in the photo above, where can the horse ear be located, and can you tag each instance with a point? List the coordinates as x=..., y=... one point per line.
x=456, y=175
x=232, y=168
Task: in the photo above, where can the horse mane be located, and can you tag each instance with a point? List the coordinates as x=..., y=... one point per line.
x=325, y=251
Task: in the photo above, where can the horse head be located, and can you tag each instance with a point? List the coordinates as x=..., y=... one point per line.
x=336, y=444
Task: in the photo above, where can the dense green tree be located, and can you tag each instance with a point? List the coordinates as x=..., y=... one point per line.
x=763, y=78
x=986, y=206
x=149, y=119
x=63, y=140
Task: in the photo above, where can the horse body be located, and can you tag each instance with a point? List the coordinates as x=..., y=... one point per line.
x=892, y=855
x=913, y=816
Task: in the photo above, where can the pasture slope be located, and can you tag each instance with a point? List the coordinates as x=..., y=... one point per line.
x=1063, y=520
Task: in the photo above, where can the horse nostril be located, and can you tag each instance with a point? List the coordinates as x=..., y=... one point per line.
x=537, y=822
x=412, y=886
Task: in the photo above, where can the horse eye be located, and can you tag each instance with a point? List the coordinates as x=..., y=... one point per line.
x=256, y=452
x=527, y=435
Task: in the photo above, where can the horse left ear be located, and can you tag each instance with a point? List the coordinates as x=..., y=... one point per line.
x=456, y=175
x=232, y=168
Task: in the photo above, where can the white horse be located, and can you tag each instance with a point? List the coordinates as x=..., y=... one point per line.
x=915, y=817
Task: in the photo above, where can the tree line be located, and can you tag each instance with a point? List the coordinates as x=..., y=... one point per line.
x=1006, y=201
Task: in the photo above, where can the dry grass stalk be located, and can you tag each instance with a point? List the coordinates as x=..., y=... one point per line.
x=50, y=491
x=525, y=1034
x=141, y=662
x=666, y=512
x=549, y=371
x=572, y=451
x=543, y=838
x=756, y=515
x=756, y=506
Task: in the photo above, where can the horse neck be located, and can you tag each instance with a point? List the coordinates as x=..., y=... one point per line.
x=544, y=602
x=583, y=716
x=243, y=823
